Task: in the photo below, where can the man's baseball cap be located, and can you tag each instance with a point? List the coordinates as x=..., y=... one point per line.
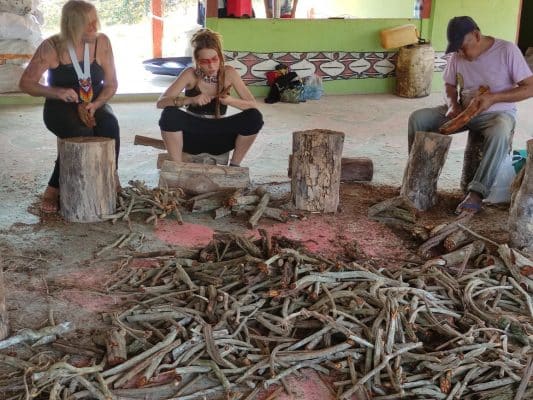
x=458, y=28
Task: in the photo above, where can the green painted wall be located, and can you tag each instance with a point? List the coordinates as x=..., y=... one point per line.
x=262, y=35
x=269, y=35
x=369, y=8
x=495, y=17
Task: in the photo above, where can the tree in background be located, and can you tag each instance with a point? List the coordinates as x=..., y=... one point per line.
x=111, y=12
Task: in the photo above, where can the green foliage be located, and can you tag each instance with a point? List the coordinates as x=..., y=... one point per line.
x=111, y=12
x=122, y=11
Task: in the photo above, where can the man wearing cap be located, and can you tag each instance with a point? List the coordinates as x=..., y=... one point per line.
x=478, y=60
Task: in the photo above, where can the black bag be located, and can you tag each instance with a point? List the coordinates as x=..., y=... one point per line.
x=286, y=88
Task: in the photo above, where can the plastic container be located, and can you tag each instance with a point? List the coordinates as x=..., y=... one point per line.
x=414, y=70
x=239, y=8
x=399, y=36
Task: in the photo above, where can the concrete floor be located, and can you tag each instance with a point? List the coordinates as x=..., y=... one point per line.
x=375, y=127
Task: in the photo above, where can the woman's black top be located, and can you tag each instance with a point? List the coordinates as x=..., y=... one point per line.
x=208, y=109
x=65, y=76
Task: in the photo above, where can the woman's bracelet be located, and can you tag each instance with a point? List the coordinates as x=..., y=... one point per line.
x=179, y=101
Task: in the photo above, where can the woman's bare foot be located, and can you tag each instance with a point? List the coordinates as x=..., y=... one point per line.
x=50, y=200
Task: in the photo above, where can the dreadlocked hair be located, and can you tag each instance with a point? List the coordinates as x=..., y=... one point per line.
x=208, y=39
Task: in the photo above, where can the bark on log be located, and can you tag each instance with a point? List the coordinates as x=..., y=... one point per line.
x=455, y=240
x=521, y=211
x=353, y=169
x=424, y=166
x=316, y=166
x=269, y=212
x=4, y=322
x=116, y=347
x=201, y=178
x=87, y=187
x=260, y=209
x=472, y=158
x=202, y=158
x=458, y=256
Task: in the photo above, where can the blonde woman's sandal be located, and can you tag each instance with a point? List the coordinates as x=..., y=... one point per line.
x=50, y=200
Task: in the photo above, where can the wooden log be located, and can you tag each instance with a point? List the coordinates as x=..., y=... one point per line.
x=455, y=240
x=149, y=141
x=353, y=169
x=221, y=212
x=202, y=158
x=469, y=251
x=316, y=166
x=201, y=178
x=260, y=209
x=269, y=212
x=4, y=322
x=424, y=166
x=521, y=210
x=472, y=158
x=87, y=187
x=116, y=347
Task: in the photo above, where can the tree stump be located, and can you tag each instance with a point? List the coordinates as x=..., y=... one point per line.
x=353, y=169
x=4, y=325
x=424, y=166
x=472, y=158
x=521, y=211
x=316, y=169
x=87, y=187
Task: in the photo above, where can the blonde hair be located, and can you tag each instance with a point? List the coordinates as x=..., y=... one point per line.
x=208, y=39
x=74, y=19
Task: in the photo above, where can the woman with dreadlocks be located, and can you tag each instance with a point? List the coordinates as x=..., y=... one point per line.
x=194, y=122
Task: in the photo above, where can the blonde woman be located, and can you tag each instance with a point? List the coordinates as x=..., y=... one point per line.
x=194, y=122
x=81, y=80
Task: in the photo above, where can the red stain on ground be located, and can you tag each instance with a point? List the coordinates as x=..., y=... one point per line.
x=187, y=235
x=309, y=386
x=330, y=235
x=90, y=301
x=314, y=234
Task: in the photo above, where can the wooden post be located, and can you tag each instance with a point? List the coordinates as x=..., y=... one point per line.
x=4, y=325
x=87, y=178
x=521, y=211
x=424, y=165
x=316, y=169
x=157, y=28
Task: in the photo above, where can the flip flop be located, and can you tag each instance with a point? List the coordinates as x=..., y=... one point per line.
x=471, y=208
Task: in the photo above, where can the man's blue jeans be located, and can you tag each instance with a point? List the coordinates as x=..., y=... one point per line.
x=496, y=128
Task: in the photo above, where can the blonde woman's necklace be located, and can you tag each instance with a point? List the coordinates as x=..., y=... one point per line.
x=212, y=80
x=84, y=76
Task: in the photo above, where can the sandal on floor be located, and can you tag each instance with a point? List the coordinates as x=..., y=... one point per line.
x=49, y=205
x=470, y=208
